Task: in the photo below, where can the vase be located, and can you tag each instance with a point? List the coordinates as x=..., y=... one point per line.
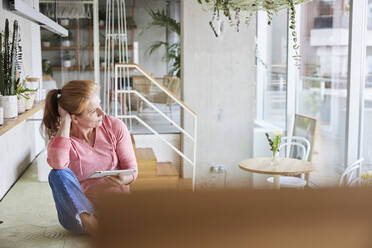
x=274, y=160
x=10, y=105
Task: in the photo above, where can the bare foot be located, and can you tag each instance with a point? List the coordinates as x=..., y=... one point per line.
x=90, y=223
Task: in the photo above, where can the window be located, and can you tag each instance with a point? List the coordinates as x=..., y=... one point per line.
x=322, y=88
x=271, y=59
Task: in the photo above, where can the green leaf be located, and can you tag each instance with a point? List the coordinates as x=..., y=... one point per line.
x=157, y=45
x=160, y=19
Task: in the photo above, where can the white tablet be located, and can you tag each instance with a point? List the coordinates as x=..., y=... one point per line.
x=98, y=174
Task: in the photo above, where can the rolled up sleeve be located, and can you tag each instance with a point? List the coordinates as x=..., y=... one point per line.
x=59, y=152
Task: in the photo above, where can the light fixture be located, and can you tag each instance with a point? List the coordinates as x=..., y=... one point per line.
x=21, y=8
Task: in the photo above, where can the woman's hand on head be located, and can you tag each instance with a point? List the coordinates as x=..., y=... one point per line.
x=63, y=114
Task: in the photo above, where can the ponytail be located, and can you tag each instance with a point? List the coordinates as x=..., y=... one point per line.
x=51, y=115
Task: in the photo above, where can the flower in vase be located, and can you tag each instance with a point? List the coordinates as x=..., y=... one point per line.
x=275, y=141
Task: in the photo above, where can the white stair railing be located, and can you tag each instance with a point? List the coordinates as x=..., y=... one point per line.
x=123, y=69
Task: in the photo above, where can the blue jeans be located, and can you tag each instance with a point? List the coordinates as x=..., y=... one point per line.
x=69, y=199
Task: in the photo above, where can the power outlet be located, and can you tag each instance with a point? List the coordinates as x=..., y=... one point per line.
x=218, y=168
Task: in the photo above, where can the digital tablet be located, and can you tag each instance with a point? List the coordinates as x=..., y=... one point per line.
x=98, y=174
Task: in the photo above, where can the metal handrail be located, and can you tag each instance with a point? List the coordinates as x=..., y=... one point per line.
x=174, y=98
x=157, y=110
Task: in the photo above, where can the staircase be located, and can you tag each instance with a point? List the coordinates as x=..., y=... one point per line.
x=154, y=175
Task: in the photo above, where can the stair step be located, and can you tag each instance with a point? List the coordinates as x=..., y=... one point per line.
x=156, y=183
x=166, y=169
x=147, y=164
x=145, y=154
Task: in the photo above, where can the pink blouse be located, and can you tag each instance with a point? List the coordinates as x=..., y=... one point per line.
x=112, y=150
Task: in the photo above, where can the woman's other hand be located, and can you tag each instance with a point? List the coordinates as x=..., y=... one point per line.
x=119, y=179
x=65, y=123
x=63, y=113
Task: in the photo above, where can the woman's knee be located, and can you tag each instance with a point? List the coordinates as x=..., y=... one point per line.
x=61, y=175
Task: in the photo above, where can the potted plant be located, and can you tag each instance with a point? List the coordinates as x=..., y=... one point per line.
x=45, y=42
x=159, y=18
x=8, y=62
x=64, y=22
x=47, y=70
x=67, y=60
x=102, y=17
x=66, y=41
x=25, y=97
x=235, y=10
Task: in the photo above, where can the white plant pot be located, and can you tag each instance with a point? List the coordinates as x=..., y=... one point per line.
x=64, y=22
x=66, y=43
x=46, y=43
x=21, y=105
x=34, y=86
x=10, y=105
x=67, y=63
x=30, y=102
x=1, y=116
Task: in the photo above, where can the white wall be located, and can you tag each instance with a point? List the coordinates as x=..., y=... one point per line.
x=161, y=150
x=219, y=84
x=154, y=63
x=20, y=145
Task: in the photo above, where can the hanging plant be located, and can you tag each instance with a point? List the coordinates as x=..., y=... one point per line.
x=236, y=8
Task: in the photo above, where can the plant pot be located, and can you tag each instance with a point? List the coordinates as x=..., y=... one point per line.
x=67, y=63
x=1, y=116
x=10, y=105
x=30, y=102
x=46, y=43
x=34, y=84
x=64, y=22
x=66, y=43
x=101, y=22
x=21, y=105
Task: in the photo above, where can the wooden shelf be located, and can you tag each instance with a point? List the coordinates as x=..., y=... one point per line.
x=10, y=123
x=58, y=48
x=131, y=27
x=60, y=68
x=130, y=47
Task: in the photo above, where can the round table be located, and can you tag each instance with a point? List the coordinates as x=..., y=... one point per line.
x=281, y=167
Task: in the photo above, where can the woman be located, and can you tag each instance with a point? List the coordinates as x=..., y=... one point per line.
x=84, y=140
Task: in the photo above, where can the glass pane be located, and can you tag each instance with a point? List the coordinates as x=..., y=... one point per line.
x=367, y=133
x=274, y=70
x=321, y=90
